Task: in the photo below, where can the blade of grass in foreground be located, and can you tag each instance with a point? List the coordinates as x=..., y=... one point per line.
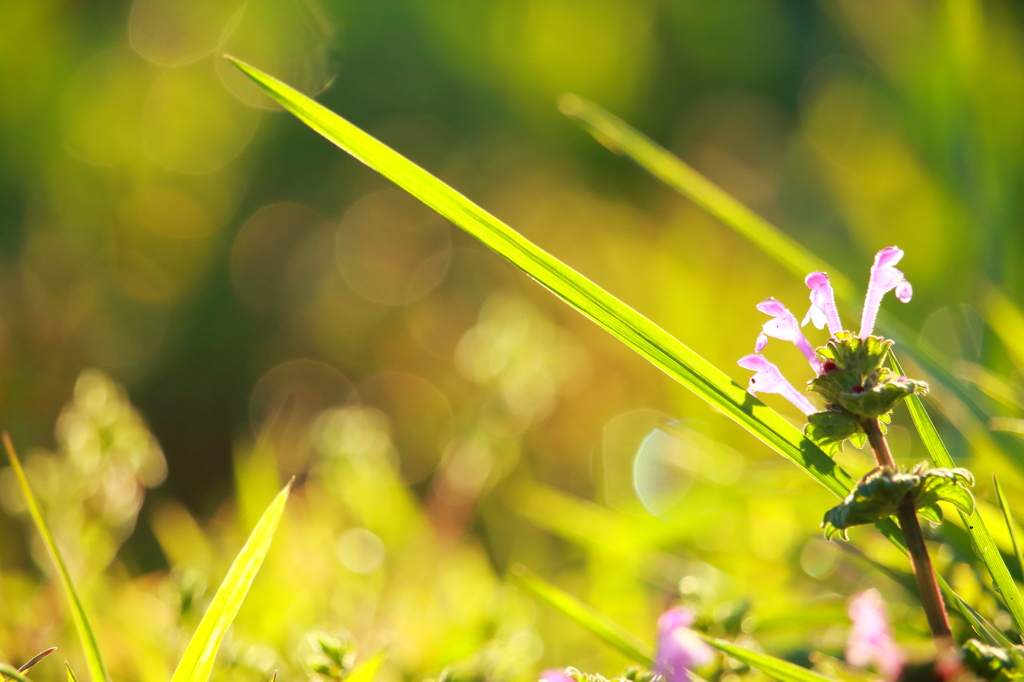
x=633, y=648
x=605, y=628
x=197, y=662
x=93, y=659
x=72, y=677
x=781, y=670
x=984, y=545
x=636, y=331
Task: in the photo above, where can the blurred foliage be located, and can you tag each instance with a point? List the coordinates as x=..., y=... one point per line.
x=274, y=309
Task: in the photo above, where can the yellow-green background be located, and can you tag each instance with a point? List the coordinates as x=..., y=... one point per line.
x=271, y=308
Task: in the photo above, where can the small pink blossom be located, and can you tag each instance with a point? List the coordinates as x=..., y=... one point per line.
x=679, y=647
x=884, y=278
x=768, y=379
x=871, y=641
x=784, y=326
x=556, y=675
x=823, y=304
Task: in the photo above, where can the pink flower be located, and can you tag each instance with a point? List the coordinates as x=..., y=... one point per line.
x=556, y=675
x=823, y=304
x=679, y=648
x=768, y=379
x=871, y=641
x=884, y=278
x=784, y=326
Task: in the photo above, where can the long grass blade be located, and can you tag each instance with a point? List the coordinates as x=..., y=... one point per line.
x=629, y=326
x=599, y=624
x=197, y=661
x=93, y=659
x=72, y=677
x=984, y=545
x=1010, y=525
x=781, y=670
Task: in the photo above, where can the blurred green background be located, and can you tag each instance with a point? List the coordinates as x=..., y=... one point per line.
x=272, y=308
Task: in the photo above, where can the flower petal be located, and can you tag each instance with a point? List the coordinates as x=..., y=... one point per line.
x=884, y=278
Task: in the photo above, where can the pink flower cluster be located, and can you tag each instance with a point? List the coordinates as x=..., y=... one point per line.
x=783, y=324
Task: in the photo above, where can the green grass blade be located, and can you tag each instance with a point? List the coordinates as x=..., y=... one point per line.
x=781, y=670
x=636, y=331
x=93, y=659
x=72, y=677
x=36, y=659
x=984, y=545
x=622, y=138
x=1010, y=525
x=599, y=624
x=197, y=661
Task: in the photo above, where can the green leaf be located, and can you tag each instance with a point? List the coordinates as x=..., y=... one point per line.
x=781, y=670
x=674, y=172
x=1010, y=525
x=984, y=545
x=878, y=496
x=830, y=428
x=93, y=659
x=599, y=624
x=633, y=329
x=197, y=662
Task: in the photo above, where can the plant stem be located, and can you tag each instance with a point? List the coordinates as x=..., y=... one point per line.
x=931, y=599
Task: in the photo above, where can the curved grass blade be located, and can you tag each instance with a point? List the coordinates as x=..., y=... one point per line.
x=599, y=624
x=636, y=331
x=72, y=677
x=984, y=545
x=781, y=670
x=622, y=138
x=36, y=659
x=93, y=659
x=197, y=661
x=1010, y=525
